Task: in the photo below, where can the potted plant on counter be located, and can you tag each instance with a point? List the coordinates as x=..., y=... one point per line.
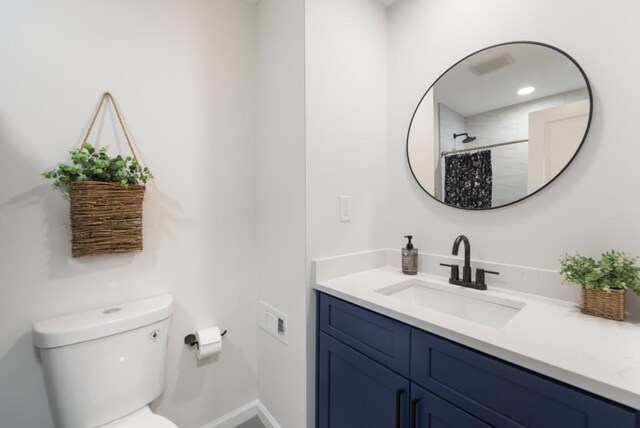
x=603, y=282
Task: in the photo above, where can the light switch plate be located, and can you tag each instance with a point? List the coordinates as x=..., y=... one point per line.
x=346, y=208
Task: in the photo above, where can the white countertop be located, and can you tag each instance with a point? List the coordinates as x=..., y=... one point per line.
x=548, y=336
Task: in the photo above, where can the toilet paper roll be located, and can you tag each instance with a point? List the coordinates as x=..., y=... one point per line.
x=209, y=342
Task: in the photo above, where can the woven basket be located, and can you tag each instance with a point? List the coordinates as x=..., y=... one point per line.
x=605, y=304
x=105, y=218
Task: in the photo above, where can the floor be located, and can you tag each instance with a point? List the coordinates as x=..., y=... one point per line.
x=254, y=422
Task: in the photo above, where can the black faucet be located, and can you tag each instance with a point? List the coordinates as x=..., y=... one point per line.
x=479, y=283
x=466, y=269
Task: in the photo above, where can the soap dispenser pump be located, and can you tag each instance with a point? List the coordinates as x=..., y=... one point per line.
x=409, y=258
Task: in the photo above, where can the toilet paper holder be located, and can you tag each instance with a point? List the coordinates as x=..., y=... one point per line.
x=191, y=341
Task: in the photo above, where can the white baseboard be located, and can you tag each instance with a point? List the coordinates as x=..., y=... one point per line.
x=243, y=414
x=267, y=419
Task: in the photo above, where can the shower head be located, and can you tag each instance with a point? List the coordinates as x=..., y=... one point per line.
x=466, y=140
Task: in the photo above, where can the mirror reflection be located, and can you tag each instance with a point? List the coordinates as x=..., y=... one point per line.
x=499, y=125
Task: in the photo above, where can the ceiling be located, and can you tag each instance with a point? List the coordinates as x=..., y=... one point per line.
x=549, y=71
x=384, y=2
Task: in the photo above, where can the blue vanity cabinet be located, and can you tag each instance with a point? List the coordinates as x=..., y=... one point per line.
x=374, y=371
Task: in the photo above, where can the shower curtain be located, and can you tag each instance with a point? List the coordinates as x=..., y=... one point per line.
x=468, y=181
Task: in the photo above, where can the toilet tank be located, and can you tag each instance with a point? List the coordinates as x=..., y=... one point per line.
x=102, y=364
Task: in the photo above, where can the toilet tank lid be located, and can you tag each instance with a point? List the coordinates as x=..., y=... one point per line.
x=101, y=322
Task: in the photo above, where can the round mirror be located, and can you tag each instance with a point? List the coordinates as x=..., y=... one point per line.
x=499, y=125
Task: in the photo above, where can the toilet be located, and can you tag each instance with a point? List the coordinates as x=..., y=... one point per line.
x=104, y=366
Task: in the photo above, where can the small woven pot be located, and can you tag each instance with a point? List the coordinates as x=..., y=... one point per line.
x=106, y=218
x=605, y=304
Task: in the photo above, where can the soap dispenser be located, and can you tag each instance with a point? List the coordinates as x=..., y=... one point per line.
x=409, y=258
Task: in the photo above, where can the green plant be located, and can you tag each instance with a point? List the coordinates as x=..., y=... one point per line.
x=614, y=270
x=91, y=164
x=577, y=269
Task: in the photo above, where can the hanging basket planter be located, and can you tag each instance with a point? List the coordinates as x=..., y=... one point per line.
x=106, y=218
x=105, y=194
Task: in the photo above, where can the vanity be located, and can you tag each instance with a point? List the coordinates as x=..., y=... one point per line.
x=512, y=350
x=401, y=351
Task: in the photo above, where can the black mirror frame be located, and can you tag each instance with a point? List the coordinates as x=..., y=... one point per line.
x=584, y=137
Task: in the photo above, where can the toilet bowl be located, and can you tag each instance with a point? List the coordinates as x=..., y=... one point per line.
x=103, y=367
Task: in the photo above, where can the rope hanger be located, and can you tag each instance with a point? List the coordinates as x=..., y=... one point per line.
x=118, y=114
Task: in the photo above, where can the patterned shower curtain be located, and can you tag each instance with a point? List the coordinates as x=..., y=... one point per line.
x=468, y=181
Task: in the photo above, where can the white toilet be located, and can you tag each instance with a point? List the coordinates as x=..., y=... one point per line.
x=103, y=367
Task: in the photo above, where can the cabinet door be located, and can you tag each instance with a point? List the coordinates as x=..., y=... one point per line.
x=430, y=411
x=355, y=391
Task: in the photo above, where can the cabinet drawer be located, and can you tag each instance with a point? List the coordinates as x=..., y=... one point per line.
x=493, y=390
x=376, y=336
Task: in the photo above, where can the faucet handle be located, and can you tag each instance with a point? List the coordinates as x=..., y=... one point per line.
x=455, y=271
x=480, y=275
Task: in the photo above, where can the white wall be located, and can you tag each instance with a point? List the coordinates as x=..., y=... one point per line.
x=346, y=124
x=346, y=132
x=422, y=145
x=183, y=73
x=280, y=178
x=510, y=168
x=592, y=207
x=450, y=122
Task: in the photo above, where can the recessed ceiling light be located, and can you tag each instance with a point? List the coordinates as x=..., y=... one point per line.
x=526, y=90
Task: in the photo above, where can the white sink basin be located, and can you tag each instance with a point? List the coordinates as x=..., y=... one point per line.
x=459, y=302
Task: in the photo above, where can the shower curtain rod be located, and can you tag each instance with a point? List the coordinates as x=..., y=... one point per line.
x=490, y=146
